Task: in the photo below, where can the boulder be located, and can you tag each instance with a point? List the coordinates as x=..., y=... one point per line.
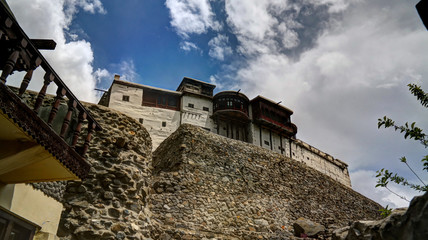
x=304, y=226
x=403, y=223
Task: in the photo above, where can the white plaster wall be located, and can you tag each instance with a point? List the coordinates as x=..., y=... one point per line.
x=196, y=115
x=265, y=137
x=152, y=116
x=152, y=121
x=320, y=161
x=32, y=205
x=117, y=91
x=276, y=143
x=255, y=131
x=303, y=152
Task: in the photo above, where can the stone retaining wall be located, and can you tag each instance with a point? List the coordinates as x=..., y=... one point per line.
x=112, y=202
x=206, y=185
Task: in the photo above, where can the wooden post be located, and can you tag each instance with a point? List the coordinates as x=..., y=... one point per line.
x=49, y=77
x=71, y=106
x=9, y=65
x=59, y=96
x=91, y=127
x=82, y=117
x=25, y=82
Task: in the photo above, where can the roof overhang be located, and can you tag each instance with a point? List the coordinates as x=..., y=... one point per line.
x=30, y=150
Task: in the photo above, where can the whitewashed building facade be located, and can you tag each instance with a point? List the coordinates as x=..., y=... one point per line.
x=259, y=121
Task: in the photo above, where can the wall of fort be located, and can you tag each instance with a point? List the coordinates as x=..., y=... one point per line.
x=206, y=185
x=111, y=203
x=197, y=110
x=198, y=184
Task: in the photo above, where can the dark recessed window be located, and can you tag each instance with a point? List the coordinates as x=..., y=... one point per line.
x=125, y=98
x=141, y=120
x=191, y=105
x=163, y=124
x=205, y=109
x=266, y=142
x=13, y=228
x=172, y=101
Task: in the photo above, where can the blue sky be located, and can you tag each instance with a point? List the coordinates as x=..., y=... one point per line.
x=339, y=64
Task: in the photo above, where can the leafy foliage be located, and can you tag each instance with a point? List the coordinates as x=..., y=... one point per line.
x=385, y=212
x=410, y=131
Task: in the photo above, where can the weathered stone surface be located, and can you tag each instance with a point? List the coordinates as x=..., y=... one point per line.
x=305, y=227
x=210, y=186
x=109, y=203
x=404, y=224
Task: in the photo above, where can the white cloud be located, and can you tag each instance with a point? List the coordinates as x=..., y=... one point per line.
x=213, y=80
x=363, y=182
x=92, y=6
x=250, y=18
x=355, y=72
x=290, y=37
x=127, y=70
x=71, y=60
x=191, y=16
x=101, y=74
x=219, y=47
x=189, y=46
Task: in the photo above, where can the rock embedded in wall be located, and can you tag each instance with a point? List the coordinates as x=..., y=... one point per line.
x=112, y=202
x=206, y=185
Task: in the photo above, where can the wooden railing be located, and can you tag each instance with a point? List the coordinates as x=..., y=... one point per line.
x=18, y=53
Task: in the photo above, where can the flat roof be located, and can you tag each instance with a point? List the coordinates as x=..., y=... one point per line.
x=270, y=101
x=137, y=85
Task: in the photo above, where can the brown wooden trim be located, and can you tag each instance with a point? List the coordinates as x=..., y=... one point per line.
x=12, y=106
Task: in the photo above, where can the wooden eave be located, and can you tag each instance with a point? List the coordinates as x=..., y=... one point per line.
x=41, y=154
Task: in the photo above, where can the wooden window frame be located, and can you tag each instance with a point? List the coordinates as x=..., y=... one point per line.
x=10, y=221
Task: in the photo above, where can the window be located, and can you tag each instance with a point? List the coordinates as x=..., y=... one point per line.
x=141, y=120
x=125, y=98
x=14, y=228
x=205, y=109
x=163, y=124
x=172, y=101
x=191, y=105
x=266, y=142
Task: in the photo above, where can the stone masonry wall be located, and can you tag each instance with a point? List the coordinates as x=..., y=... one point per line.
x=112, y=202
x=206, y=185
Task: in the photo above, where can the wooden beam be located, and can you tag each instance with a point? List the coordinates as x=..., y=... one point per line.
x=44, y=44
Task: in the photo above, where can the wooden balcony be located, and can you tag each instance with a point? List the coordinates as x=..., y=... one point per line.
x=231, y=105
x=33, y=149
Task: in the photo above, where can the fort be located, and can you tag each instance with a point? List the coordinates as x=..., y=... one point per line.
x=231, y=114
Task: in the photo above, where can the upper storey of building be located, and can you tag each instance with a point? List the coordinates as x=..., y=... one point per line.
x=193, y=86
x=274, y=115
x=196, y=97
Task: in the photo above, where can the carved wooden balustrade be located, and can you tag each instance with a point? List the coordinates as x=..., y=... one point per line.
x=19, y=53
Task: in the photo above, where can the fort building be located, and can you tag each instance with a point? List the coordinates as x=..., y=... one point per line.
x=259, y=121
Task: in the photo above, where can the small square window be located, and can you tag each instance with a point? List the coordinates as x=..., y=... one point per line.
x=266, y=142
x=141, y=120
x=163, y=124
x=125, y=98
x=205, y=109
x=191, y=105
